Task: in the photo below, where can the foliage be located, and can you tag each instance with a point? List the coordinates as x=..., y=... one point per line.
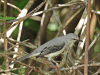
x=32, y=25
x=7, y=18
x=51, y=29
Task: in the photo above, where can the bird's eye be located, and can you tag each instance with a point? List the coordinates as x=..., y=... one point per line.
x=76, y=39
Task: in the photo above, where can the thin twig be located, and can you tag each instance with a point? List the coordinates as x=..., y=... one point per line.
x=25, y=17
x=90, y=46
x=15, y=46
x=69, y=20
x=96, y=12
x=37, y=70
x=57, y=68
x=21, y=43
x=23, y=13
x=87, y=38
x=18, y=39
x=4, y=28
x=97, y=72
x=44, y=11
x=1, y=70
x=76, y=67
x=12, y=5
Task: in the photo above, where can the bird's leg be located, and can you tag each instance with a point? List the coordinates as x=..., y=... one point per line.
x=52, y=61
x=57, y=66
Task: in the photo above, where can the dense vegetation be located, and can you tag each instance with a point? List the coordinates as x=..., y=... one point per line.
x=27, y=24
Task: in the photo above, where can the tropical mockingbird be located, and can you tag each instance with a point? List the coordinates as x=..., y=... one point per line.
x=51, y=48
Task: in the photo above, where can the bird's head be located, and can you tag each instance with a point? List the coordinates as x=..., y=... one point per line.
x=72, y=37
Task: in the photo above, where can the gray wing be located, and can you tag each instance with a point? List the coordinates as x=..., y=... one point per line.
x=51, y=49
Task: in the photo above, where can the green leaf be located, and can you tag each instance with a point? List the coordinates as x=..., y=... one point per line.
x=3, y=67
x=22, y=70
x=7, y=18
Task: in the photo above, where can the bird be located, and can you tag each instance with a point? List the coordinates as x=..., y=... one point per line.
x=51, y=48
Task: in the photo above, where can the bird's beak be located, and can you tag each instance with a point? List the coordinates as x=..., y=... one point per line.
x=77, y=39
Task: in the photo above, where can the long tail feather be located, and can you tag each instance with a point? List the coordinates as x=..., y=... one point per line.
x=20, y=59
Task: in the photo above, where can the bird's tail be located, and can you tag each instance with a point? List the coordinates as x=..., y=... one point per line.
x=20, y=59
